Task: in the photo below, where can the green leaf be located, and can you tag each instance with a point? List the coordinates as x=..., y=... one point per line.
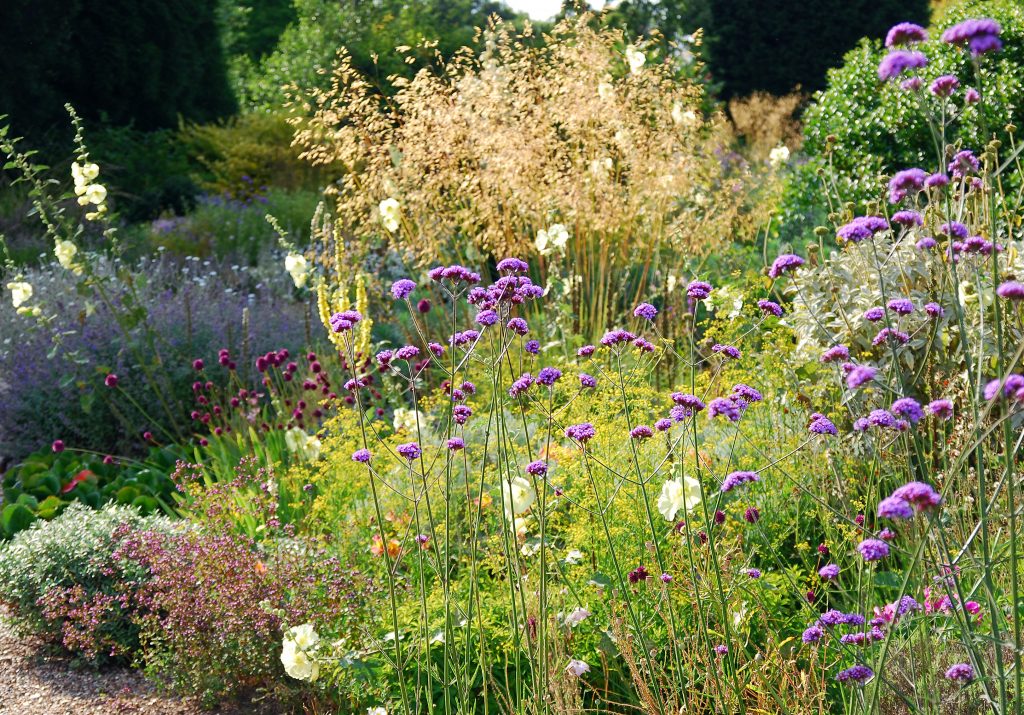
x=16, y=517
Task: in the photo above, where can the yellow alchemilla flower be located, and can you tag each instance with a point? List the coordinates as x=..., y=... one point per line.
x=678, y=495
x=635, y=59
x=65, y=251
x=390, y=214
x=21, y=292
x=296, y=265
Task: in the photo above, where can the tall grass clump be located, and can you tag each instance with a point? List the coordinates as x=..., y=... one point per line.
x=577, y=147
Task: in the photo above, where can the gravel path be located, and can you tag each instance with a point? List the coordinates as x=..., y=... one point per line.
x=33, y=682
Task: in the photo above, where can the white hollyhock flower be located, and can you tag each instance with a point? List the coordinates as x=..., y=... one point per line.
x=305, y=636
x=406, y=419
x=778, y=156
x=296, y=265
x=298, y=663
x=92, y=194
x=635, y=59
x=21, y=292
x=518, y=494
x=65, y=251
x=390, y=214
x=678, y=495
x=83, y=174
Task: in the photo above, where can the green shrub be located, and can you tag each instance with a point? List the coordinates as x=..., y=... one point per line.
x=881, y=129
x=72, y=559
x=44, y=484
x=246, y=153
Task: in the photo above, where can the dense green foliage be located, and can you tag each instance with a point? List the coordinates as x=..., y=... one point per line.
x=123, y=62
x=878, y=128
x=777, y=45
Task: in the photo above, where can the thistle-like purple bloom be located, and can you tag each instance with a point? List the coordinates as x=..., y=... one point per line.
x=941, y=408
x=1011, y=387
x=836, y=353
x=905, y=33
x=934, y=310
x=691, y=402
x=402, y=288
x=518, y=326
x=899, y=61
x=921, y=495
x=727, y=407
x=583, y=432
x=1011, y=290
x=406, y=352
x=727, y=350
x=753, y=573
x=907, y=218
x=925, y=243
x=585, y=351
x=901, y=306
x=909, y=408
x=960, y=672
x=820, y=424
x=874, y=314
x=813, y=634
x=663, y=425
x=548, y=376
x=537, y=468
x=520, y=385
x=617, y=337
x=532, y=347
x=784, y=264
x=747, y=392
x=587, y=380
x=980, y=35
x=972, y=96
x=641, y=432
x=487, y=318
x=361, y=455
x=944, y=86
x=645, y=311
x=894, y=508
x=881, y=418
x=873, y=549
x=860, y=375
x=897, y=336
x=858, y=675
x=963, y=164
x=829, y=572
x=953, y=229
x=736, y=479
x=512, y=265
x=862, y=228
x=456, y=443
x=409, y=450
x=770, y=308
x=698, y=290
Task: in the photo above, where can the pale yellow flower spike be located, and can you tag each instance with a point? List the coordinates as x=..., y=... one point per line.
x=366, y=324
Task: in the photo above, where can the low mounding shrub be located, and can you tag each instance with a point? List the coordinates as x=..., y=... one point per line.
x=61, y=580
x=43, y=484
x=860, y=129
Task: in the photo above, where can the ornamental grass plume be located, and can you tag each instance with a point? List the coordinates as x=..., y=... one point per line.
x=553, y=148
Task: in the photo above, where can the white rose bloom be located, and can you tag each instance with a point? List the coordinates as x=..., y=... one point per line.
x=778, y=156
x=678, y=495
x=605, y=90
x=390, y=214
x=21, y=292
x=635, y=59
x=65, y=252
x=296, y=265
x=518, y=495
x=298, y=663
x=577, y=667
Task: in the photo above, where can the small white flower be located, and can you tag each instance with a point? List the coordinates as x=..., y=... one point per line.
x=65, y=251
x=635, y=59
x=683, y=116
x=577, y=668
x=678, y=495
x=390, y=214
x=21, y=292
x=605, y=90
x=778, y=156
x=92, y=194
x=671, y=283
x=296, y=265
x=298, y=442
x=552, y=239
x=574, y=557
x=518, y=495
x=376, y=711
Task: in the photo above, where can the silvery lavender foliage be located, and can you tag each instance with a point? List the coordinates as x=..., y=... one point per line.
x=54, y=388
